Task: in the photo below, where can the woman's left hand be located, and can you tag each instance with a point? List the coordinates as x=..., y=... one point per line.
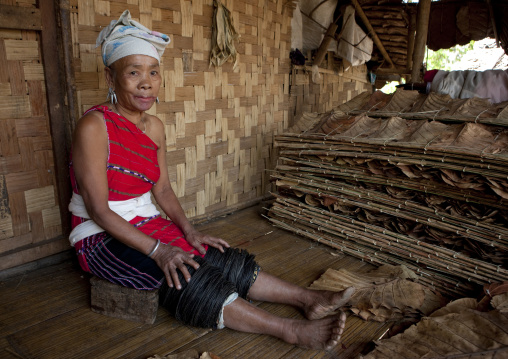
x=196, y=239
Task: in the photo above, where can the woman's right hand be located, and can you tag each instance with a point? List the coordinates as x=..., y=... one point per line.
x=170, y=259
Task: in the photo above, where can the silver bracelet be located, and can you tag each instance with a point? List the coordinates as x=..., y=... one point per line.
x=154, y=248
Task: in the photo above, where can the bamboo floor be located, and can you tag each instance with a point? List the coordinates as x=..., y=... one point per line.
x=46, y=313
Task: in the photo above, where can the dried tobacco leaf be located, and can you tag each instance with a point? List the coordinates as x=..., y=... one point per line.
x=455, y=331
x=223, y=36
x=500, y=302
x=384, y=294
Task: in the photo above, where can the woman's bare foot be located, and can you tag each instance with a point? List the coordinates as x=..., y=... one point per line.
x=322, y=303
x=322, y=334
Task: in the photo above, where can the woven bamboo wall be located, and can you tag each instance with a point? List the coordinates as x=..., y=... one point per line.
x=333, y=87
x=220, y=122
x=29, y=213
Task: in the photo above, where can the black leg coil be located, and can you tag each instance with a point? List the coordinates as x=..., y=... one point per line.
x=219, y=275
x=199, y=302
x=237, y=265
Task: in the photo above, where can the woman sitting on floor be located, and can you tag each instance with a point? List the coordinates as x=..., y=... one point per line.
x=119, y=158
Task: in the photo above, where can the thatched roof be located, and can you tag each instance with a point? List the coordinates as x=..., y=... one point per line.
x=451, y=23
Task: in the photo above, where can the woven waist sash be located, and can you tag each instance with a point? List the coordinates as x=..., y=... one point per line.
x=141, y=206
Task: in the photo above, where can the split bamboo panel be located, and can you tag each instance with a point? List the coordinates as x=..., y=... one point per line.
x=29, y=211
x=403, y=179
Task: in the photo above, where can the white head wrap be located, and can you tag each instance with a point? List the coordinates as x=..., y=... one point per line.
x=124, y=37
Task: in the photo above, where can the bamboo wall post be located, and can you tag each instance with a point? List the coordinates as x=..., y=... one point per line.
x=57, y=84
x=411, y=39
x=493, y=20
x=422, y=26
x=373, y=33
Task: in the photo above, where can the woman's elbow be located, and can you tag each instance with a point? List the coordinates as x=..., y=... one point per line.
x=161, y=191
x=98, y=214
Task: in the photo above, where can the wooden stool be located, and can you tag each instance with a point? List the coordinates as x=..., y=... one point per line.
x=125, y=303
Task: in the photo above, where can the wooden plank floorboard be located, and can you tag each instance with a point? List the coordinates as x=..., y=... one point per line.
x=46, y=313
x=217, y=342
x=258, y=347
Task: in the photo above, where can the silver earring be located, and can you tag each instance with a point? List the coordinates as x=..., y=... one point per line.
x=112, y=96
x=157, y=99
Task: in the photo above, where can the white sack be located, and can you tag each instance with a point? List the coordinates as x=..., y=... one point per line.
x=353, y=35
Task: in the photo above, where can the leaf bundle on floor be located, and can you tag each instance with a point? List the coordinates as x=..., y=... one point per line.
x=385, y=294
x=458, y=330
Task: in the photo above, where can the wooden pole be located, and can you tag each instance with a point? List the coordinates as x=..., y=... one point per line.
x=493, y=20
x=373, y=33
x=422, y=27
x=53, y=51
x=402, y=71
x=323, y=48
x=411, y=38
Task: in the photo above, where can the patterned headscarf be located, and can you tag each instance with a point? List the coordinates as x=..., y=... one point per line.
x=124, y=37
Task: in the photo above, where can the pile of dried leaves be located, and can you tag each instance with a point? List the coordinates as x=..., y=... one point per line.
x=462, y=329
x=387, y=293
x=223, y=36
x=403, y=179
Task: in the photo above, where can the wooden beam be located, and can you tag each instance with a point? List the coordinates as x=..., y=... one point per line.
x=493, y=20
x=422, y=27
x=68, y=58
x=392, y=71
x=373, y=33
x=56, y=83
x=323, y=47
x=411, y=38
x=17, y=17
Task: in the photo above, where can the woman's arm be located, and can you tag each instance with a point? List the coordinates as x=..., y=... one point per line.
x=167, y=200
x=90, y=154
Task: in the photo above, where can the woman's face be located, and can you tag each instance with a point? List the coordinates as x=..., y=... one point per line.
x=136, y=80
